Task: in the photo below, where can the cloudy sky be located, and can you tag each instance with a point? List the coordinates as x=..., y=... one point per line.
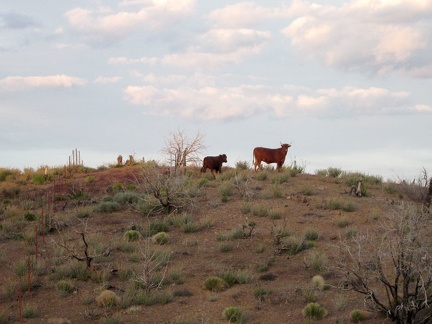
x=347, y=82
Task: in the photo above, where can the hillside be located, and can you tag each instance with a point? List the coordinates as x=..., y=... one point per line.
x=229, y=227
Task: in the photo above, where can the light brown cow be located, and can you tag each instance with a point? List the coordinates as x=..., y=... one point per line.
x=267, y=155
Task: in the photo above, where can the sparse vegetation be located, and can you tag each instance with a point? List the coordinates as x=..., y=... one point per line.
x=262, y=240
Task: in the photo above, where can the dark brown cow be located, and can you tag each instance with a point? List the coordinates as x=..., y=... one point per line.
x=262, y=154
x=214, y=163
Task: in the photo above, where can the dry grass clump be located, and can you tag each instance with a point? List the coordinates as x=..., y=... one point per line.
x=108, y=298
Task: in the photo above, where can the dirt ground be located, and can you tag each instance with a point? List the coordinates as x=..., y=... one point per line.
x=297, y=205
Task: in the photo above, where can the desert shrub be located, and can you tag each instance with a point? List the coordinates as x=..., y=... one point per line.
x=132, y=235
x=117, y=187
x=227, y=247
x=280, y=178
x=262, y=176
x=107, y=299
x=29, y=217
x=343, y=222
x=314, y=311
x=310, y=295
x=349, y=206
x=38, y=179
x=5, y=173
x=234, y=234
x=242, y=165
x=358, y=316
x=306, y=190
x=272, y=191
x=152, y=298
x=215, y=284
x=245, y=208
x=161, y=238
x=155, y=226
x=233, y=314
x=233, y=277
x=260, y=293
x=65, y=287
x=318, y=282
x=317, y=261
x=334, y=172
x=292, y=245
x=260, y=211
x=108, y=207
x=29, y=311
x=311, y=235
x=83, y=212
x=126, y=198
x=203, y=182
x=275, y=214
x=226, y=189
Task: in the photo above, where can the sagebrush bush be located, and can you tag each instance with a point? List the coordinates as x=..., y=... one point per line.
x=161, y=238
x=108, y=298
x=215, y=284
x=108, y=207
x=233, y=314
x=314, y=311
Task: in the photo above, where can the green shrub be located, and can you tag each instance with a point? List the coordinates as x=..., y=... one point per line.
x=108, y=207
x=311, y=235
x=260, y=293
x=155, y=226
x=272, y=191
x=358, y=316
x=65, y=287
x=215, y=284
x=232, y=277
x=233, y=314
x=38, y=179
x=202, y=182
x=29, y=311
x=132, y=235
x=334, y=172
x=29, y=217
x=314, y=311
x=245, y=208
x=262, y=176
x=161, y=238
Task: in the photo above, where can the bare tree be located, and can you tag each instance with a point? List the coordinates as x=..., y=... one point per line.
x=392, y=268
x=183, y=150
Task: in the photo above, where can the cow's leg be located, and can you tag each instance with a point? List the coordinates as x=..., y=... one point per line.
x=212, y=172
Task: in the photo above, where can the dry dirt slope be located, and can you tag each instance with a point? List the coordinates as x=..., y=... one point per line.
x=275, y=283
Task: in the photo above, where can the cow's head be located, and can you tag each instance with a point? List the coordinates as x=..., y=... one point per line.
x=223, y=157
x=285, y=147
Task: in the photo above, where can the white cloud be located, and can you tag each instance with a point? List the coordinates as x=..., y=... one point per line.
x=16, y=83
x=104, y=25
x=363, y=35
x=218, y=103
x=245, y=14
x=107, y=80
x=424, y=108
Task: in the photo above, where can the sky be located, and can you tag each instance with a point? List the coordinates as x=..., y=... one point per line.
x=347, y=83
